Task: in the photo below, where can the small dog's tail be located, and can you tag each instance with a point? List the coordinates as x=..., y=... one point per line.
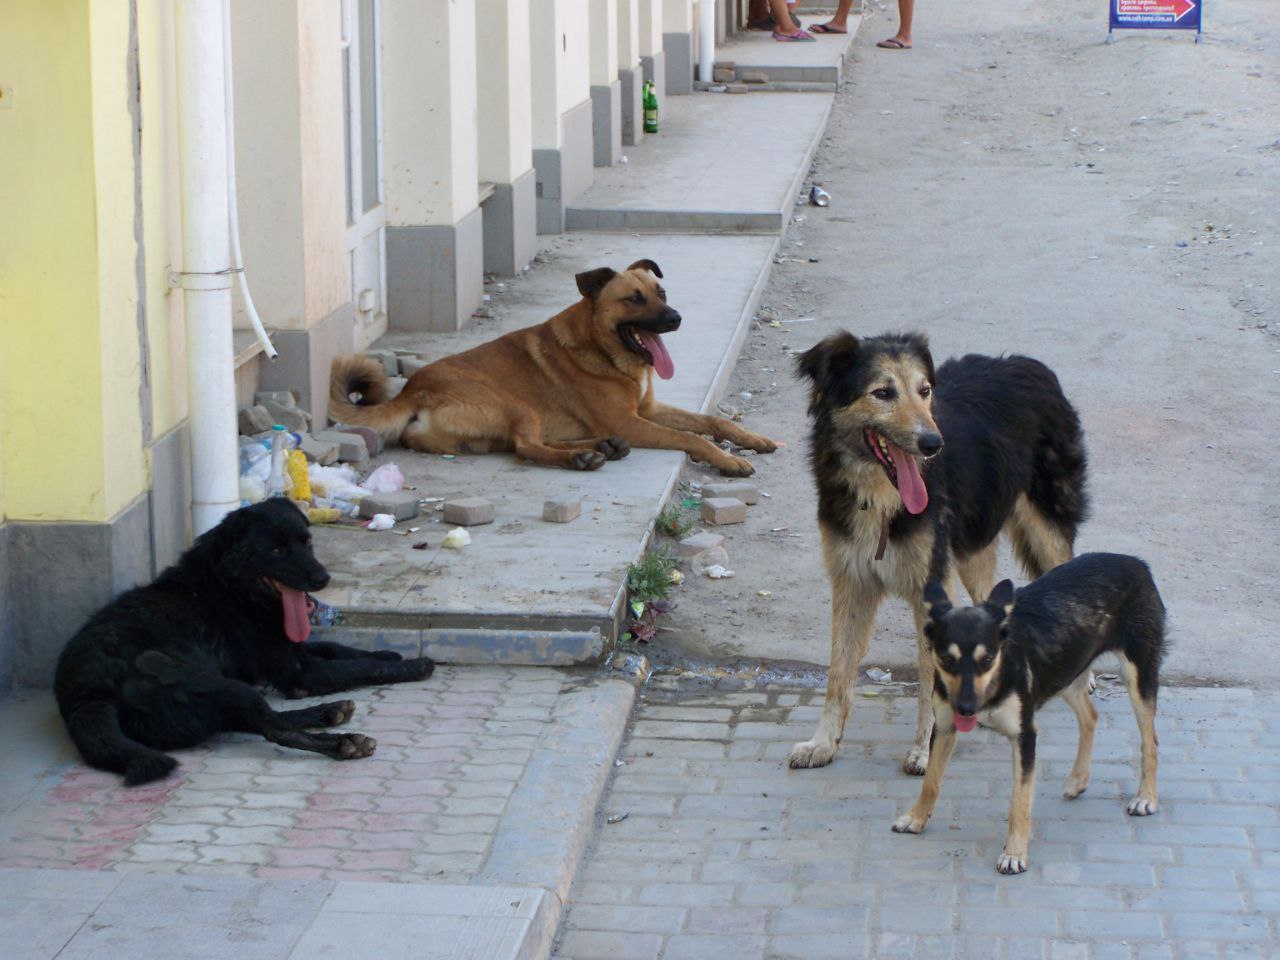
x=95, y=730
x=375, y=408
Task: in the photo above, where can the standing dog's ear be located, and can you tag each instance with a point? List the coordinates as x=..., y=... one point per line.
x=936, y=602
x=593, y=281
x=823, y=361
x=1001, y=600
x=647, y=265
x=920, y=344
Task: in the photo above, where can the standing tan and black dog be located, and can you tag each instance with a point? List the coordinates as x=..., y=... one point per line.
x=918, y=472
x=572, y=392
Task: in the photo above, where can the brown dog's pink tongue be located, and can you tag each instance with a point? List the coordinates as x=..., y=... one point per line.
x=910, y=484
x=297, y=620
x=658, y=350
x=965, y=724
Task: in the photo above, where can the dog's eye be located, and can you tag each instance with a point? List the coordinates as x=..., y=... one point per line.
x=637, y=298
x=884, y=393
x=926, y=391
x=662, y=295
x=985, y=663
x=947, y=663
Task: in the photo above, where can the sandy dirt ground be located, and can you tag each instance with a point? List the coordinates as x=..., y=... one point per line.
x=1013, y=184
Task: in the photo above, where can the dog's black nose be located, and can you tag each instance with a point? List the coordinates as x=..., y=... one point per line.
x=673, y=318
x=929, y=443
x=320, y=582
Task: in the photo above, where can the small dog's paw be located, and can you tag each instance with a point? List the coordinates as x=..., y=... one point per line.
x=355, y=746
x=388, y=655
x=587, y=460
x=910, y=822
x=736, y=467
x=1093, y=681
x=1141, y=807
x=1074, y=787
x=1010, y=863
x=916, y=762
x=614, y=448
x=339, y=712
x=811, y=753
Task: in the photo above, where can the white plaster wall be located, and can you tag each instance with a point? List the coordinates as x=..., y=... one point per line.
x=430, y=111
x=603, y=41
x=503, y=78
x=628, y=14
x=545, y=42
x=651, y=27
x=574, y=80
x=677, y=16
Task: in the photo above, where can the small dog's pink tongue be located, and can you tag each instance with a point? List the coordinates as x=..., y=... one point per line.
x=910, y=484
x=658, y=350
x=297, y=616
x=965, y=724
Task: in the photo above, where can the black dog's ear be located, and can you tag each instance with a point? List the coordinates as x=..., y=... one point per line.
x=920, y=344
x=936, y=601
x=1001, y=599
x=593, y=281
x=647, y=265
x=821, y=362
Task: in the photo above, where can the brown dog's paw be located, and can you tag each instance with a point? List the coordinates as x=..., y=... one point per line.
x=356, y=746
x=762, y=444
x=614, y=448
x=587, y=460
x=736, y=467
x=338, y=712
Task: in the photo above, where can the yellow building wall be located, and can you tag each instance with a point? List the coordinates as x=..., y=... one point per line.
x=69, y=340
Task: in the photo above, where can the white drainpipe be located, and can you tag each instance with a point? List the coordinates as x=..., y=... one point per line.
x=206, y=272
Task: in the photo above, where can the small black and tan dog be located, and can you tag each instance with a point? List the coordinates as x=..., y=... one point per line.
x=1000, y=661
x=171, y=664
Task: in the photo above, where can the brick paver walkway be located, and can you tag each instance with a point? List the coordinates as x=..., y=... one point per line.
x=725, y=853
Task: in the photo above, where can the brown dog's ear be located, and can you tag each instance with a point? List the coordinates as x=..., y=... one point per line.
x=593, y=281
x=647, y=265
x=824, y=360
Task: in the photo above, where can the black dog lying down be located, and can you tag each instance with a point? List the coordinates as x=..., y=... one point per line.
x=169, y=665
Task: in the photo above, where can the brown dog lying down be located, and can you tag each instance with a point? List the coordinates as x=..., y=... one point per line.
x=571, y=392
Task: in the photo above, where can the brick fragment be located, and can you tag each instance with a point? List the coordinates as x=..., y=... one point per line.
x=562, y=509
x=319, y=451
x=387, y=358
x=748, y=493
x=754, y=76
x=722, y=510
x=402, y=505
x=468, y=511
x=696, y=543
x=253, y=420
x=290, y=417
x=372, y=439
x=411, y=365
x=724, y=75
x=737, y=88
x=351, y=446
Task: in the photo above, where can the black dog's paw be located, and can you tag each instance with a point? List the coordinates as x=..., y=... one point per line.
x=355, y=746
x=339, y=712
x=388, y=655
x=614, y=448
x=587, y=460
x=425, y=666
x=144, y=769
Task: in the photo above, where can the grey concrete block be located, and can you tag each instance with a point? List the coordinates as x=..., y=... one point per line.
x=351, y=446
x=305, y=359
x=290, y=417
x=724, y=74
x=468, y=511
x=748, y=493
x=323, y=452
x=403, y=505
x=606, y=123
x=562, y=509
x=722, y=510
x=411, y=365
x=632, y=106
x=372, y=439
x=387, y=358
x=737, y=88
x=754, y=76
x=253, y=420
x=510, y=219
x=170, y=500
x=435, y=274
x=678, y=48
x=696, y=543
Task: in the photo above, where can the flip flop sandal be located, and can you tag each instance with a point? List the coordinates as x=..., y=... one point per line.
x=893, y=43
x=800, y=36
x=823, y=28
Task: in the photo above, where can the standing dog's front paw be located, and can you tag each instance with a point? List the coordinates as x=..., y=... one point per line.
x=811, y=753
x=1141, y=806
x=917, y=761
x=1074, y=787
x=1010, y=863
x=910, y=822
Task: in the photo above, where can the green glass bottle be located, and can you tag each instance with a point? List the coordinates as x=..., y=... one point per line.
x=650, y=103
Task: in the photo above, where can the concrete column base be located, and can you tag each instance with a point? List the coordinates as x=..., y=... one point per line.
x=606, y=123
x=435, y=274
x=565, y=173
x=654, y=69
x=305, y=358
x=510, y=220
x=632, y=81
x=680, y=58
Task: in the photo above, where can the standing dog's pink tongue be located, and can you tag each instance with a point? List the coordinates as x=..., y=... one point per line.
x=910, y=484
x=297, y=619
x=658, y=350
x=965, y=724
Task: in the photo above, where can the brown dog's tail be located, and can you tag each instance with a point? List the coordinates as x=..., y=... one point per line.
x=375, y=408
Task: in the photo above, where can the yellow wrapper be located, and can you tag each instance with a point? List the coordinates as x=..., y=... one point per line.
x=323, y=515
x=298, y=474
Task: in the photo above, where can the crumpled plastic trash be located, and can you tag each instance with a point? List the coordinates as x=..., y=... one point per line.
x=320, y=613
x=876, y=675
x=386, y=479
x=456, y=539
x=718, y=572
x=819, y=197
x=335, y=483
x=381, y=521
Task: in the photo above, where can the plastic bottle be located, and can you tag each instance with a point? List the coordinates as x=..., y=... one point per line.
x=275, y=479
x=650, y=102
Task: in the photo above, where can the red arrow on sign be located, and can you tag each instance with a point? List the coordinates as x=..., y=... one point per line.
x=1169, y=8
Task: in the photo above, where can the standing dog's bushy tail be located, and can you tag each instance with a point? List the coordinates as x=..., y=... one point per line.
x=364, y=376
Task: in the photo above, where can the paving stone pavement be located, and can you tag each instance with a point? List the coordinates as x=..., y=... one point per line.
x=725, y=852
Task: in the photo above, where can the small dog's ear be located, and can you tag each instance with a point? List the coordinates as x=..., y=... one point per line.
x=647, y=265
x=593, y=281
x=1001, y=599
x=936, y=601
x=920, y=344
x=821, y=362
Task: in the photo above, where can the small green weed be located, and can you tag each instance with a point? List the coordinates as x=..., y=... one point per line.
x=674, y=522
x=649, y=582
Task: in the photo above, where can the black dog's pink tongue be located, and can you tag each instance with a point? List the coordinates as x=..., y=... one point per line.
x=297, y=617
x=910, y=484
x=658, y=350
